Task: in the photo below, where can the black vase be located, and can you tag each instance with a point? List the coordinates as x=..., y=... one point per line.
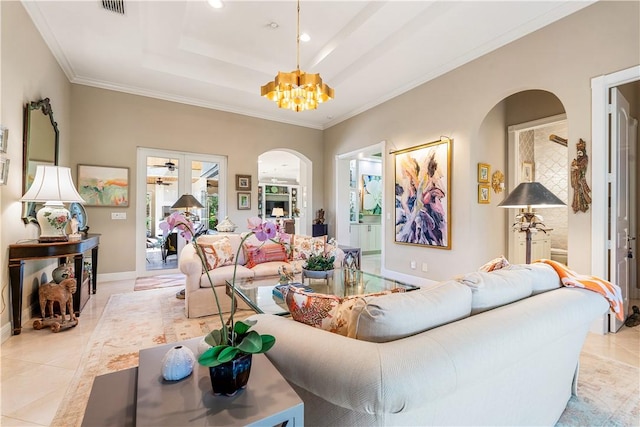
x=228, y=378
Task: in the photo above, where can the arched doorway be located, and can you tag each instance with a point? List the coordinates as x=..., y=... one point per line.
x=285, y=182
x=534, y=139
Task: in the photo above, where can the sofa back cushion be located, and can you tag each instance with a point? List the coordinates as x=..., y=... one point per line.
x=391, y=317
x=234, y=240
x=543, y=277
x=497, y=288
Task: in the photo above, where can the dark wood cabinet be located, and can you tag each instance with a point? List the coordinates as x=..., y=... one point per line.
x=21, y=252
x=319, y=230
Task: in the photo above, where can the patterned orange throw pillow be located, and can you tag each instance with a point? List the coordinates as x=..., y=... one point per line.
x=217, y=253
x=327, y=312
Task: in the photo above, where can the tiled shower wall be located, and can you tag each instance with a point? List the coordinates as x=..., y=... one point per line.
x=551, y=169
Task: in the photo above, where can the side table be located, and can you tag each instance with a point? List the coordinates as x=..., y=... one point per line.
x=140, y=397
x=356, y=253
x=21, y=252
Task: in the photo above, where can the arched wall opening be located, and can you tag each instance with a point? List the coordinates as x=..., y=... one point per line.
x=515, y=138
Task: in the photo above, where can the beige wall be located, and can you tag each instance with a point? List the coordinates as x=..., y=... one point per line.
x=561, y=59
x=108, y=127
x=29, y=73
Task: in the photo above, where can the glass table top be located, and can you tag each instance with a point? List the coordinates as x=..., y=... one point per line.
x=258, y=293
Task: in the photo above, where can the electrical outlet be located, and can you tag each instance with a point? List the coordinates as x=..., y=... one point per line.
x=424, y=267
x=118, y=215
x=413, y=265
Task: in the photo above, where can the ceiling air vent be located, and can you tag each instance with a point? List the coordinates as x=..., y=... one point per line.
x=116, y=6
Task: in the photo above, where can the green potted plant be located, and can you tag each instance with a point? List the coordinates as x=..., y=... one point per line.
x=231, y=347
x=318, y=266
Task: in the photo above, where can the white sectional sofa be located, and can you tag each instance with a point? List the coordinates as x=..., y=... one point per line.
x=497, y=348
x=199, y=298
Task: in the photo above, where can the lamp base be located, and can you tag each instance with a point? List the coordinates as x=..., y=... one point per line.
x=53, y=218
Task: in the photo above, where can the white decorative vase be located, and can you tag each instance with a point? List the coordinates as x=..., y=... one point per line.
x=177, y=363
x=53, y=218
x=226, y=226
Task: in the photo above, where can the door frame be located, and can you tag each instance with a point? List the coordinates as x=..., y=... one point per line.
x=343, y=224
x=184, y=183
x=600, y=87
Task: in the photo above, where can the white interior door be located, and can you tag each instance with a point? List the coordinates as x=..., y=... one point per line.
x=620, y=206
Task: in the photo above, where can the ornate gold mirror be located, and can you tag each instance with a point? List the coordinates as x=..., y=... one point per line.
x=40, y=147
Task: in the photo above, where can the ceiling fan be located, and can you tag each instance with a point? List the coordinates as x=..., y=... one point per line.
x=168, y=164
x=159, y=181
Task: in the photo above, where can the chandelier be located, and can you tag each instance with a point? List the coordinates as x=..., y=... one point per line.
x=297, y=90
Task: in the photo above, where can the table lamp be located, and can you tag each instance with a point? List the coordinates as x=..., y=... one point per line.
x=53, y=186
x=528, y=195
x=187, y=201
x=277, y=212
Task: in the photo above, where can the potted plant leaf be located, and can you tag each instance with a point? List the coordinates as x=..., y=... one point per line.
x=318, y=266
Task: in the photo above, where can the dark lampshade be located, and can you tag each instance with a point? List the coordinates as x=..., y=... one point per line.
x=531, y=194
x=187, y=201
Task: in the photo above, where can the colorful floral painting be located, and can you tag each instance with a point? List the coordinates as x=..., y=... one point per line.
x=371, y=194
x=103, y=185
x=422, y=195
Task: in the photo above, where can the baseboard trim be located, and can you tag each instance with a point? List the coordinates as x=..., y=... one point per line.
x=5, y=332
x=112, y=277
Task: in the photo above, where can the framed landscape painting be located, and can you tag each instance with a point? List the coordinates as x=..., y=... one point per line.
x=244, y=201
x=423, y=195
x=103, y=185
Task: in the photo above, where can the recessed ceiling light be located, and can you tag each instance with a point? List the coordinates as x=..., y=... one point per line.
x=304, y=37
x=216, y=4
x=273, y=25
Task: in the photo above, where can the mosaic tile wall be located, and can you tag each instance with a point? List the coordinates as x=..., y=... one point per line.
x=551, y=169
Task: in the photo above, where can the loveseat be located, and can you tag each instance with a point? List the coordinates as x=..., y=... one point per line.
x=256, y=260
x=497, y=348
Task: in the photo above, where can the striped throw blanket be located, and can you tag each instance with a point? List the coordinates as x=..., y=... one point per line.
x=572, y=279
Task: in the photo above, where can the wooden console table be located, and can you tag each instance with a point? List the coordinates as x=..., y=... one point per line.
x=21, y=252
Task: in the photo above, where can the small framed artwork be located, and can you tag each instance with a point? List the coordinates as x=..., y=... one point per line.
x=484, y=170
x=243, y=182
x=527, y=172
x=244, y=201
x=104, y=185
x=4, y=139
x=4, y=170
x=484, y=195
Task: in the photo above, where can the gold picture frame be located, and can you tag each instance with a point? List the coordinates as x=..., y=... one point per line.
x=484, y=173
x=423, y=187
x=484, y=194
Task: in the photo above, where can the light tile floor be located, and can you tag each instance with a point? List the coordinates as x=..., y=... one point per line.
x=36, y=367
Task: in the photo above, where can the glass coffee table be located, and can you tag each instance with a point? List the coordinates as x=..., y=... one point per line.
x=258, y=293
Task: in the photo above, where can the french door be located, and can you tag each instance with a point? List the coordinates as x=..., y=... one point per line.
x=163, y=177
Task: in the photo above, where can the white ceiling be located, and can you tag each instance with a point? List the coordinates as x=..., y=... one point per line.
x=368, y=51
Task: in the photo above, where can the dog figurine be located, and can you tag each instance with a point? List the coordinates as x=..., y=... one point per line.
x=62, y=293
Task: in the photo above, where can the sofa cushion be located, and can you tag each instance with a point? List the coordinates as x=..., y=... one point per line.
x=395, y=316
x=264, y=253
x=217, y=253
x=543, y=277
x=305, y=246
x=221, y=274
x=497, y=288
x=270, y=268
